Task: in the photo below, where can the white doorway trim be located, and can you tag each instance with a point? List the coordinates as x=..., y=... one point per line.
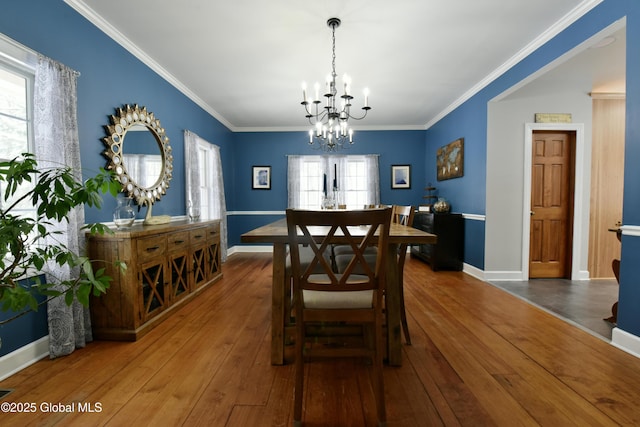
x=580, y=211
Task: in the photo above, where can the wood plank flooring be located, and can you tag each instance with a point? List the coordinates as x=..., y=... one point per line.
x=480, y=357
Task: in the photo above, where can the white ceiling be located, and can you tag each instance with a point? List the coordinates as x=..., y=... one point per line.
x=244, y=60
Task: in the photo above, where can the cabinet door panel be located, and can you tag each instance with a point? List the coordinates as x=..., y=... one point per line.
x=179, y=275
x=213, y=259
x=152, y=288
x=199, y=260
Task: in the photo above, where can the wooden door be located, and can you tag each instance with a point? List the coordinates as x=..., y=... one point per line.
x=552, y=182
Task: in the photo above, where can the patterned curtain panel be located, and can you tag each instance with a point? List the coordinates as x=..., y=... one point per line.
x=57, y=144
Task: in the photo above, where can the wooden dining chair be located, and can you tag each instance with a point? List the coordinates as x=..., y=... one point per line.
x=400, y=215
x=339, y=298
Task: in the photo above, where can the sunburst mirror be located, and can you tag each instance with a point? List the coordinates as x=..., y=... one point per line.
x=144, y=166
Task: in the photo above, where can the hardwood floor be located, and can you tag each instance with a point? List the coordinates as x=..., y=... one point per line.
x=480, y=357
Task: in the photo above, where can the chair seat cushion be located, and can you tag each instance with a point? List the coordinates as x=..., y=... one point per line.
x=337, y=300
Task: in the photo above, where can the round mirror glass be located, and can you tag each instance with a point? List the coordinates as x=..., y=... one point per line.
x=142, y=156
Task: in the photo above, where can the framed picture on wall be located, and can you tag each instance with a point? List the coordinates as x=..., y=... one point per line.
x=261, y=178
x=450, y=160
x=401, y=176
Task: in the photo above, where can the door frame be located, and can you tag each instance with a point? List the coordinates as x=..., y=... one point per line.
x=580, y=211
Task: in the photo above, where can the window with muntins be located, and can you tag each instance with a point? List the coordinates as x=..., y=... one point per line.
x=351, y=180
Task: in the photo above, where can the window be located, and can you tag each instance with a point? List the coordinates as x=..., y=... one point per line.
x=16, y=102
x=356, y=191
x=205, y=158
x=351, y=180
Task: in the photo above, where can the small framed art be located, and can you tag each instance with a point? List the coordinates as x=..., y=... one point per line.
x=261, y=177
x=401, y=176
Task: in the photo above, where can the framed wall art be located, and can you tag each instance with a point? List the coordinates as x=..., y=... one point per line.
x=401, y=176
x=261, y=178
x=450, y=160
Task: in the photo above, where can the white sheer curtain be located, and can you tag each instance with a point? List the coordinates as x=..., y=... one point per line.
x=57, y=144
x=332, y=166
x=205, y=183
x=294, y=172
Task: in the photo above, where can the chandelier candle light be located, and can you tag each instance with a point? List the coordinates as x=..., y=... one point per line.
x=330, y=127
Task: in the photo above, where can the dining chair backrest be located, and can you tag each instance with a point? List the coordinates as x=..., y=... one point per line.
x=403, y=215
x=358, y=229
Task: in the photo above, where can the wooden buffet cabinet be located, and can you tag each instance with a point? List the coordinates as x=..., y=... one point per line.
x=166, y=266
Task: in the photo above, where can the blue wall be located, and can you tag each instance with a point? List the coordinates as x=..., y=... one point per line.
x=394, y=147
x=629, y=298
x=470, y=121
x=110, y=77
x=25, y=329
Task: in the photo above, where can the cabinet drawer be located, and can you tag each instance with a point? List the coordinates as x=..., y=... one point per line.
x=213, y=232
x=197, y=236
x=150, y=247
x=178, y=241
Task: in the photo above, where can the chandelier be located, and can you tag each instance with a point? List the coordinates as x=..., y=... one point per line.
x=330, y=130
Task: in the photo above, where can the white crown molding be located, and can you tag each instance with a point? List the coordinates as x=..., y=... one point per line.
x=550, y=33
x=119, y=38
x=360, y=128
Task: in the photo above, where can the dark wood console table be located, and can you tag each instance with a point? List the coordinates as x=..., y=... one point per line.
x=448, y=252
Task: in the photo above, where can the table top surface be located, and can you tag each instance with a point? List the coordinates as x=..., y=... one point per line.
x=276, y=232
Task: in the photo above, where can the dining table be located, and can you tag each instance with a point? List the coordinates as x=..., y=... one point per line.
x=276, y=234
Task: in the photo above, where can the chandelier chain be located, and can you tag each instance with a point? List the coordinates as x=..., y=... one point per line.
x=333, y=58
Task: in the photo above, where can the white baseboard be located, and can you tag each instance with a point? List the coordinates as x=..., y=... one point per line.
x=501, y=276
x=473, y=271
x=23, y=357
x=510, y=276
x=626, y=341
x=248, y=249
x=582, y=275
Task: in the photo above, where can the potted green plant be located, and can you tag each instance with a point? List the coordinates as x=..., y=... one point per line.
x=28, y=244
